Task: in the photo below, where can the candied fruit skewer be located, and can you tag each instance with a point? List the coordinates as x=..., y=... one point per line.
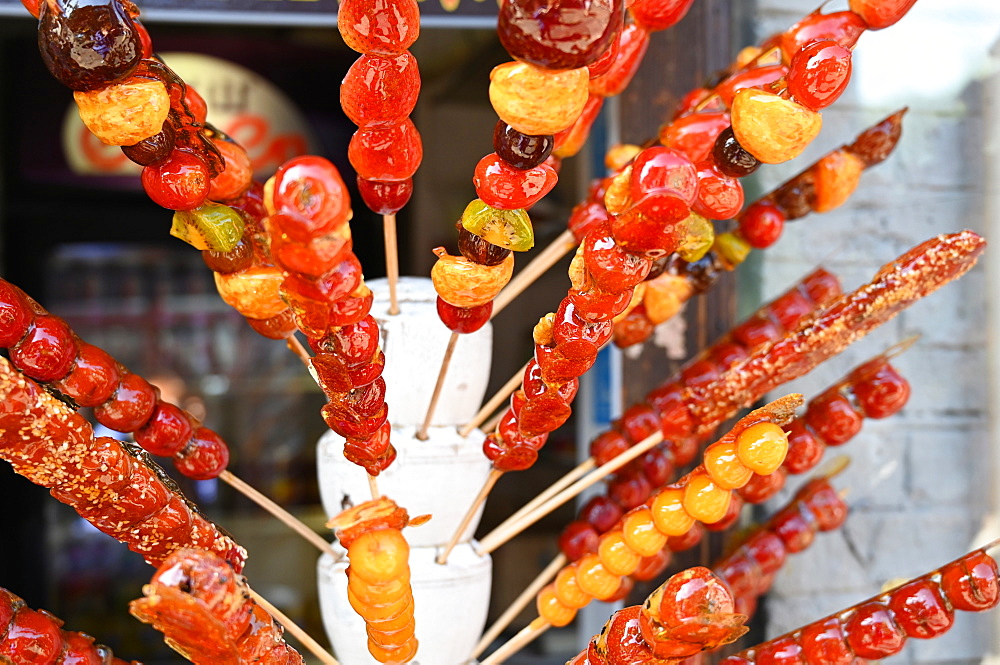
x=878, y=627
x=36, y=636
x=758, y=446
x=114, y=487
x=379, y=575
x=750, y=568
x=45, y=348
x=760, y=225
x=208, y=613
x=378, y=94
x=690, y=413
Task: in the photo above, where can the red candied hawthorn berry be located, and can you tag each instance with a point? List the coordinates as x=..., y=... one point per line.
x=464, y=320
x=880, y=14
x=33, y=637
x=131, y=406
x=657, y=467
x=379, y=27
x=310, y=187
x=181, y=182
x=638, y=422
x=789, y=309
x=782, y=651
x=879, y=389
x=166, y=432
x=608, y=445
x=380, y=89
x=796, y=530
x=385, y=197
x=654, y=15
x=577, y=539
x=93, y=379
x=629, y=489
x=659, y=170
x=601, y=512
x=843, y=28
x=825, y=643
x=609, y=266
x=832, y=417
x=819, y=74
x=204, y=457
x=386, y=152
x=694, y=134
x=768, y=551
x=920, y=610
x=761, y=224
x=719, y=196
x=872, y=633
x=500, y=185
x=804, y=450
x=756, y=332
x=47, y=350
x=15, y=315
x=970, y=583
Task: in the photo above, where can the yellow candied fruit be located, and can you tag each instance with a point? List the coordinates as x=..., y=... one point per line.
x=552, y=609
x=762, y=447
x=641, y=534
x=124, y=113
x=668, y=512
x=542, y=332
x=465, y=283
x=595, y=579
x=724, y=467
x=620, y=155
x=745, y=57
x=504, y=228
x=578, y=270
x=732, y=248
x=704, y=500
x=664, y=297
x=379, y=556
x=209, y=226
x=618, y=195
x=568, y=590
x=616, y=555
x=538, y=101
x=771, y=128
x=698, y=234
x=253, y=292
x=836, y=177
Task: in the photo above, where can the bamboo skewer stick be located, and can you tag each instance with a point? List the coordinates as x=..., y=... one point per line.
x=296, y=347
x=494, y=402
x=270, y=506
x=491, y=424
x=549, y=492
x=545, y=259
x=484, y=492
x=519, y=604
x=299, y=634
x=442, y=373
x=518, y=642
x=496, y=538
x=373, y=486
x=391, y=261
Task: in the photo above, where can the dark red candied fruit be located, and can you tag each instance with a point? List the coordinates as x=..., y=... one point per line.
x=656, y=15
x=608, y=445
x=657, y=467
x=577, y=539
x=920, y=610
x=386, y=152
x=601, y=512
x=727, y=354
x=761, y=224
x=731, y=158
x=832, y=418
x=500, y=185
x=167, y=431
x=154, y=149
x=819, y=73
x=629, y=489
x=720, y=196
x=676, y=420
x=876, y=143
x=281, y=326
x=380, y=89
x=789, y=309
x=699, y=373
x=238, y=258
x=181, y=182
x=479, y=250
x=516, y=458
x=353, y=344
x=687, y=540
x=464, y=320
x=559, y=34
x=509, y=433
x=879, y=390
x=350, y=310
x=767, y=550
x=970, y=583
x=825, y=504
x=781, y=651
x=804, y=450
x=822, y=286
x=872, y=632
x=634, y=328
x=741, y=574
x=796, y=529
x=15, y=314
x=365, y=373
x=522, y=151
x=638, y=422
x=585, y=216
x=385, y=197
x=47, y=350
x=88, y=45
x=824, y=642
x=379, y=27
x=204, y=457
x=131, y=406
x=756, y=332
x=558, y=368
x=93, y=379
x=650, y=567
x=597, y=306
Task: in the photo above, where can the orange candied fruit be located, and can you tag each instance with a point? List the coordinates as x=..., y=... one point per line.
x=595, y=579
x=668, y=512
x=253, y=292
x=552, y=609
x=616, y=555
x=568, y=590
x=124, y=113
x=836, y=177
x=771, y=128
x=379, y=27
x=641, y=534
x=538, y=101
x=464, y=283
x=762, y=447
x=379, y=556
x=724, y=467
x=403, y=654
x=704, y=500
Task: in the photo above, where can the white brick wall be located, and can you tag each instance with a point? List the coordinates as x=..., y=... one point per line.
x=920, y=485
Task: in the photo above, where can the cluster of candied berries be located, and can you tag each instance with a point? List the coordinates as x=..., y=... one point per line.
x=378, y=94
x=755, y=447
x=378, y=579
x=878, y=628
x=44, y=348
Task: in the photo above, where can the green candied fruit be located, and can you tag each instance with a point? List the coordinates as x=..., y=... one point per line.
x=504, y=228
x=698, y=236
x=732, y=248
x=209, y=226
